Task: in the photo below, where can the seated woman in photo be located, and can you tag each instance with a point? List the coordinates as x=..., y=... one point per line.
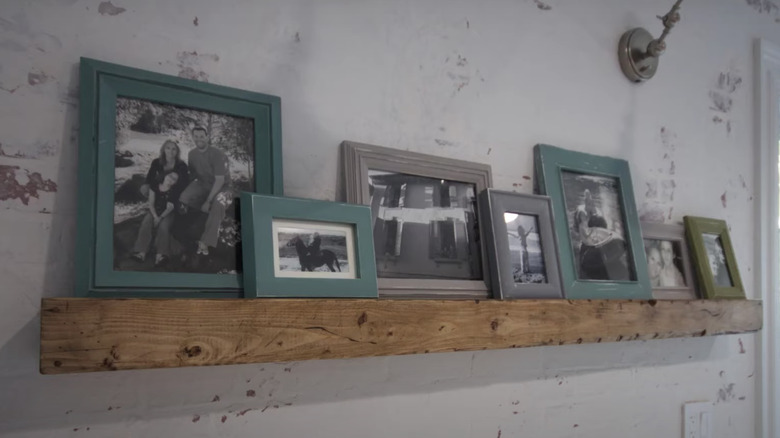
x=159, y=217
x=168, y=161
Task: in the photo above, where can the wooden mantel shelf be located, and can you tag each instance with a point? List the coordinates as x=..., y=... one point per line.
x=82, y=334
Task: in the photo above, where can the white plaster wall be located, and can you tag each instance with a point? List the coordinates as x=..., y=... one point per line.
x=482, y=81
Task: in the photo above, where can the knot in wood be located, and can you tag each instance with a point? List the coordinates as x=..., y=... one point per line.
x=193, y=351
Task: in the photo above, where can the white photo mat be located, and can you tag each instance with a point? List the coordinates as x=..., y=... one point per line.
x=311, y=227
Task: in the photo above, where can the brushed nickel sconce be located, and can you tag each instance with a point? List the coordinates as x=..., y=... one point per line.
x=638, y=52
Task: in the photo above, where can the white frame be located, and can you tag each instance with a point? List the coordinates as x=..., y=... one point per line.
x=346, y=229
x=768, y=248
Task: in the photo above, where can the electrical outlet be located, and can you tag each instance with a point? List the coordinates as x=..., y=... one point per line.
x=697, y=420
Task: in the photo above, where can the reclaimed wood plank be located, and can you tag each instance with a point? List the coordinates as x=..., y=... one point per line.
x=84, y=334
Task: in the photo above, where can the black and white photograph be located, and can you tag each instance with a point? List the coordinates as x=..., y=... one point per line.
x=665, y=263
x=525, y=248
x=178, y=172
x=424, y=227
x=595, y=221
x=717, y=259
x=312, y=249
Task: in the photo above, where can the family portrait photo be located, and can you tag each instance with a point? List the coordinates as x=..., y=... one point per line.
x=178, y=172
x=525, y=249
x=665, y=263
x=313, y=250
x=717, y=259
x=595, y=221
x=424, y=227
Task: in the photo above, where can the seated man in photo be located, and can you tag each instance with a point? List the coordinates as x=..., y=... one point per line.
x=208, y=186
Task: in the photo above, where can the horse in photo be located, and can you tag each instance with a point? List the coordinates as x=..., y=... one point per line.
x=311, y=260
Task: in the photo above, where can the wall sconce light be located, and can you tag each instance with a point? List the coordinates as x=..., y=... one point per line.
x=638, y=52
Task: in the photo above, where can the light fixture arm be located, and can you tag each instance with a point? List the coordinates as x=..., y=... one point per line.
x=638, y=52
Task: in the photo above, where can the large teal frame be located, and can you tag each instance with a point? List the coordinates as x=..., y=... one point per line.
x=258, y=213
x=100, y=85
x=549, y=163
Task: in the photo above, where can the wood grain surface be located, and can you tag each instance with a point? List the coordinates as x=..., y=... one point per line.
x=85, y=334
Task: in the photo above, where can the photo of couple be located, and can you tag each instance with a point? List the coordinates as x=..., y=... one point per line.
x=178, y=172
x=664, y=263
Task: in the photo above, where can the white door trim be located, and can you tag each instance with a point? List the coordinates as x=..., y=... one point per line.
x=768, y=248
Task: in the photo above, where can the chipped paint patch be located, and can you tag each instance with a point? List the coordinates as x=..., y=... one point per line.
x=189, y=64
x=250, y=393
x=215, y=399
x=721, y=97
x=726, y=393
x=741, y=347
x=37, y=78
x=297, y=37
x=764, y=6
x=108, y=8
x=195, y=418
x=441, y=142
x=723, y=199
x=542, y=5
x=195, y=21
x=661, y=188
x=651, y=214
x=11, y=188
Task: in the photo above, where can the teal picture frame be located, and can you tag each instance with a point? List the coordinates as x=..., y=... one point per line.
x=101, y=84
x=258, y=215
x=553, y=164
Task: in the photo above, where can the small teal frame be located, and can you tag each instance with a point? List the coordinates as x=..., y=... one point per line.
x=100, y=85
x=258, y=212
x=549, y=163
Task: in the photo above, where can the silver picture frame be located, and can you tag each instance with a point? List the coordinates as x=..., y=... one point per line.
x=521, y=245
x=674, y=235
x=359, y=159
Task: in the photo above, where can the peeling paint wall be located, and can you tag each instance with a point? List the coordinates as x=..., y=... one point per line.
x=478, y=81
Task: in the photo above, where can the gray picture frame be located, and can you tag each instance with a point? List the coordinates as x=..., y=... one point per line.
x=494, y=204
x=674, y=233
x=358, y=158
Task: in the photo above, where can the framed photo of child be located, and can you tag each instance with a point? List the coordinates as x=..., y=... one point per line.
x=162, y=161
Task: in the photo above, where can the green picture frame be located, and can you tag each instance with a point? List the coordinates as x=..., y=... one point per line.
x=276, y=228
x=712, y=251
x=105, y=89
x=593, y=202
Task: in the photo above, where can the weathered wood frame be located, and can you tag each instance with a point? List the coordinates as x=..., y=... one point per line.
x=494, y=203
x=674, y=233
x=694, y=228
x=549, y=163
x=358, y=158
x=100, y=85
x=258, y=213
